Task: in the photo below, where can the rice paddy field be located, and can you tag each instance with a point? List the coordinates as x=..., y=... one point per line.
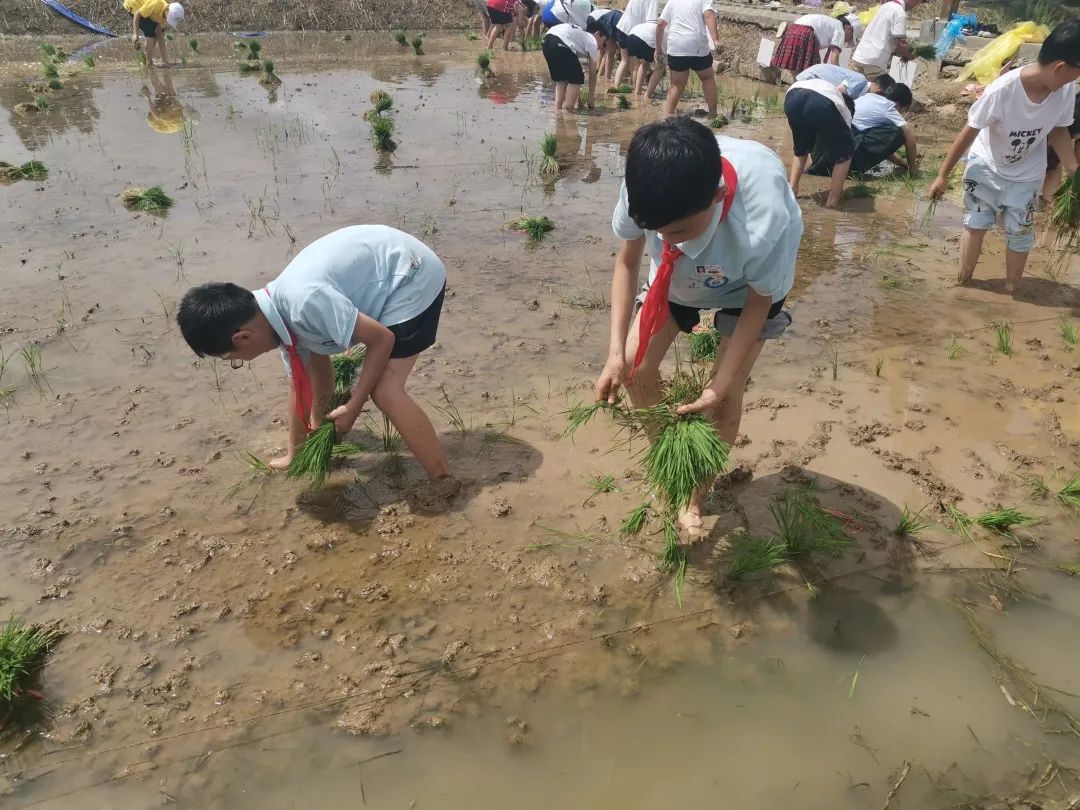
x=882, y=614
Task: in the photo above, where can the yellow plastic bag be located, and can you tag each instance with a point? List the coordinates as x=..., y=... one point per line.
x=866, y=16
x=987, y=62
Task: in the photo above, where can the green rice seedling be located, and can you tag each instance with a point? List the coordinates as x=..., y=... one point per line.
x=1069, y=495
x=452, y=413
x=418, y=45
x=32, y=364
x=345, y=366
x=389, y=439
x=193, y=44
x=925, y=51
x=773, y=104
x=859, y=191
x=962, y=522
x=684, y=387
x=50, y=70
x=140, y=57
x=674, y=557
x=621, y=90
x=1069, y=332
x=381, y=101
x=583, y=99
x=382, y=131
x=600, y=485
x=31, y=170
x=624, y=103
x=803, y=527
x=1035, y=486
x=23, y=648
x=401, y=39
x=752, y=554
x=483, y=61
x=254, y=48
x=7, y=396
x=954, y=349
x=879, y=363
x=152, y=200
x=549, y=164
x=1072, y=569
x=269, y=76
x=704, y=344
x=910, y=524
x=634, y=522
x=247, y=67
x=581, y=414
x=1003, y=338
x=88, y=60
x=471, y=36
x=170, y=37
x=347, y=38
x=833, y=353
x=927, y=218
x=1003, y=520
x=3, y=363
x=685, y=454
x=48, y=50
x=312, y=459
x=345, y=450
x=254, y=463
x=55, y=84
x=719, y=122
x=536, y=228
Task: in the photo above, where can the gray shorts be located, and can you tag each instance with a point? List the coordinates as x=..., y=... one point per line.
x=987, y=195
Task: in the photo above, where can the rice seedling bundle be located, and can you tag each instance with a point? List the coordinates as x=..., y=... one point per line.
x=928, y=214
x=269, y=76
x=382, y=131
x=417, y=45
x=31, y=170
x=55, y=84
x=1003, y=338
x=23, y=649
x=910, y=524
x=622, y=89
x=804, y=527
x=535, y=227
x=48, y=50
x=752, y=554
x=381, y=100
x=624, y=103
x=140, y=57
x=345, y=366
x=549, y=164
x=583, y=98
x=88, y=60
x=247, y=67
x=1003, y=520
x=49, y=69
x=634, y=522
x=1065, y=215
x=313, y=457
x=674, y=556
x=925, y=51
x=719, y=122
x=483, y=61
x=1069, y=495
x=704, y=344
x=193, y=44
x=152, y=200
x=400, y=38
x=962, y=522
x=685, y=454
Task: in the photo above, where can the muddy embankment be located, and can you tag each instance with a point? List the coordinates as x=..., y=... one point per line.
x=33, y=17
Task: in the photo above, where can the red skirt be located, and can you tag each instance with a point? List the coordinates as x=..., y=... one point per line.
x=798, y=49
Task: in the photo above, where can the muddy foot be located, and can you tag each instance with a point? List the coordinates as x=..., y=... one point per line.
x=691, y=526
x=280, y=463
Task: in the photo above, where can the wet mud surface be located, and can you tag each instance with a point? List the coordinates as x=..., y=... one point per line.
x=209, y=608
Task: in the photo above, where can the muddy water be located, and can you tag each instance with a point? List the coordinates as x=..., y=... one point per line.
x=296, y=634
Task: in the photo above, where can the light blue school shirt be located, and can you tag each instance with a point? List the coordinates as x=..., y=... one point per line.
x=381, y=272
x=857, y=84
x=873, y=110
x=754, y=247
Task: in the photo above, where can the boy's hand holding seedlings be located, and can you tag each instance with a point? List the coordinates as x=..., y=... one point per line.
x=379, y=342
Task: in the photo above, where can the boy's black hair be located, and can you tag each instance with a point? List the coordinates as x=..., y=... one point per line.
x=672, y=171
x=849, y=102
x=844, y=21
x=899, y=94
x=884, y=82
x=211, y=313
x=1063, y=45
x=592, y=26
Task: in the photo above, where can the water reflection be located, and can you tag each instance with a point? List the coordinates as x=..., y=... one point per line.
x=166, y=114
x=71, y=108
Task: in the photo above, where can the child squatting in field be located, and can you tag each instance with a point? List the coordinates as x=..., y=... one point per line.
x=150, y=18
x=365, y=284
x=722, y=227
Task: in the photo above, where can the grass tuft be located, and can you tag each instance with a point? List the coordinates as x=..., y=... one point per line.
x=88, y=60
x=537, y=228
x=313, y=457
x=152, y=200
x=752, y=554
x=549, y=164
x=23, y=648
x=1003, y=338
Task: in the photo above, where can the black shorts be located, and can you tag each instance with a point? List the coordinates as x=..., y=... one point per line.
x=694, y=63
x=689, y=317
x=609, y=25
x=417, y=334
x=636, y=46
x=621, y=38
x=148, y=27
x=500, y=17
x=817, y=126
x=563, y=64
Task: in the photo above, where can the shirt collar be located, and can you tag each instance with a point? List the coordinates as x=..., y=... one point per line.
x=694, y=247
x=270, y=311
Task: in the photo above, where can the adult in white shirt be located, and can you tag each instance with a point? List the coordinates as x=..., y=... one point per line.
x=682, y=35
x=884, y=37
x=635, y=13
x=819, y=114
x=565, y=47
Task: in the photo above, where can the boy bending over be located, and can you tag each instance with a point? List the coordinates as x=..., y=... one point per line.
x=722, y=227
x=366, y=284
x=1007, y=132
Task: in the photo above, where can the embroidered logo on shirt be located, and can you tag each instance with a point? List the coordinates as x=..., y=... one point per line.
x=712, y=276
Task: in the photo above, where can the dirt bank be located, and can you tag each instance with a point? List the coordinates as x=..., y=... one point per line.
x=32, y=17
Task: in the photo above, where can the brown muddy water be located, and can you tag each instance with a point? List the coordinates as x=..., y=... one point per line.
x=232, y=641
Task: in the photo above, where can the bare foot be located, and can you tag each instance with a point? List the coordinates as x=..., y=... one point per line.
x=691, y=527
x=281, y=462
x=963, y=278
x=1010, y=288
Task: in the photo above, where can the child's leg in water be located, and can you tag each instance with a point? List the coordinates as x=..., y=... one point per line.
x=408, y=418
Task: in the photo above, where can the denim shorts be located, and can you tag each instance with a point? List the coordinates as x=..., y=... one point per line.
x=987, y=194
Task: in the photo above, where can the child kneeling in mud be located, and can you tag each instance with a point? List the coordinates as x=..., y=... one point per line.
x=365, y=284
x=722, y=227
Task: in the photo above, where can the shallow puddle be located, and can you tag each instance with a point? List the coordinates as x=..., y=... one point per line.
x=515, y=649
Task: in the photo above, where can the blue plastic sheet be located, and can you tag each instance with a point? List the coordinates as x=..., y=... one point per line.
x=953, y=32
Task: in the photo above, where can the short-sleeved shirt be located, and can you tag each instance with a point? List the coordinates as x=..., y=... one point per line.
x=856, y=83
x=830, y=91
x=828, y=30
x=505, y=6
x=879, y=39
x=381, y=272
x=576, y=39
x=753, y=248
x=686, y=33
x=637, y=12
x=575, y=12
x=1014, y=129
x=150, y=9
x=646, y=32
x=873, y=110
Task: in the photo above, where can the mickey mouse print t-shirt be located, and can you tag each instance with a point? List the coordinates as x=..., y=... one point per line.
x=1014, y=128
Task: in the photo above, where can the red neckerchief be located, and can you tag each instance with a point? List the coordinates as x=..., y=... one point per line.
x=654, y=311
x=300, y=380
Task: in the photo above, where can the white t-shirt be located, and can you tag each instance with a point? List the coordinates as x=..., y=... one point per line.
x=575, y=12
x=646, y=32
x=879, y=39
x=637, y=12
x=873, y=110
x=754, y=247
x=686, y=32
x=828, y=30
x=597, y=13
x=856, y=27
x=1014, y=129
x=580, y=41
x=827, y=89
x=385, y=274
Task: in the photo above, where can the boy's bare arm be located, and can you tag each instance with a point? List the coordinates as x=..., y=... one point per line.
x=321, y=372
x=912, y=149
x=624, y=284
x=379, y=343
x=135, y=19
x=1062, y=144
x=710, y=23
x=960, y=146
